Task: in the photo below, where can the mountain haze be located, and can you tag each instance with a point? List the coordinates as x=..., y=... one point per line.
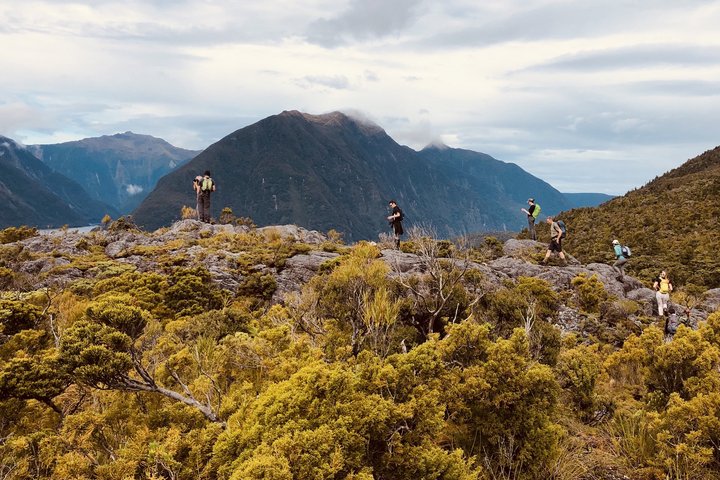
x=119, y=169
x=579, y=200
x=35, y=195
x=332, y=171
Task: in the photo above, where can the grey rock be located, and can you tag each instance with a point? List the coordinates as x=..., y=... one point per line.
x=569, y=319
x=298, y=271
x=711, y=300
x=522, y=248
x=42, y=265
x=402, y=263
x=119, y=248
x=299, y=234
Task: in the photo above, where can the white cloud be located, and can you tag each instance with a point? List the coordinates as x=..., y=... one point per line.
x=133, y=189
x=553, y=85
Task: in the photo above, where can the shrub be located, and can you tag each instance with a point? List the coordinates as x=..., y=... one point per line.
x=578, y=370
x=258, y=284
x=227, y=216
x=188, y=213
x=591, y=292
x=15, y=234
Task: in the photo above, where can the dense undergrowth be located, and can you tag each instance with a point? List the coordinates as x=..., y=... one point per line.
x=363, y=374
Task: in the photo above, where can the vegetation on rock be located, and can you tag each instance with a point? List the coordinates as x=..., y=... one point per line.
x=229, y=352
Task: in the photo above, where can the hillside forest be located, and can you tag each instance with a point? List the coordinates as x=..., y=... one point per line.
x=671, y=224
x=233, y=352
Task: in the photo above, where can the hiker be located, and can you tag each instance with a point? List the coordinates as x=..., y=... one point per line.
x=663, y=286
x=207, y=186
x=621, y=255
x=395, y=219
x=672, y=322
x=532, y=213
x=197, y=184
x=557, y=233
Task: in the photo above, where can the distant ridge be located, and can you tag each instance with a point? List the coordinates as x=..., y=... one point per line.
x=33, y=194
x=333, y=171
x=119, y=169
x=579, y=200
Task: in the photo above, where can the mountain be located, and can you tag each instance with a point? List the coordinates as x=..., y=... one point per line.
x=33, y=194
x=334, y=172
x=578, y=200
x=496, y=186
x=119, y=170
x=671, y=223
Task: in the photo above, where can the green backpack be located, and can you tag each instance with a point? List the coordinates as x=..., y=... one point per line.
x=536, y=211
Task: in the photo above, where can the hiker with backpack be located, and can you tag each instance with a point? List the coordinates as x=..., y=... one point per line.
x=204, y=188
x=396, y=217
x=622, y=253
x=672, y=322
x=663, y=286
x=558, y=231
x=532, y=213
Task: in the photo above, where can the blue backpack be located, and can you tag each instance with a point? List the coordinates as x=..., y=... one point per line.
x=563, y=229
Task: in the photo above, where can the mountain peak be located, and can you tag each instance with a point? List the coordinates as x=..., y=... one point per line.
x=436, y=145
x=337, y=118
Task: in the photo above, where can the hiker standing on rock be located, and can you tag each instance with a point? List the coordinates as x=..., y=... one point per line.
x=663, y=286
x=532, y=213
x=557, y=233
x=621, y=255
x=395, y=219
x=207, y=186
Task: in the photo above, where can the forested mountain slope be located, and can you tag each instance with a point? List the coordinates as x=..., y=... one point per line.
x=119, y=170
x=334, y=172
x=33, y=194
x=671, y=223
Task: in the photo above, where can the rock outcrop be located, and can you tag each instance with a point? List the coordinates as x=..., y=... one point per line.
x=61, y=257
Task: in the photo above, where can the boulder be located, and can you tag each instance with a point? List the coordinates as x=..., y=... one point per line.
x=524, y=249
x=298, y=271
x=711, y=300
x=298, y=234
x=402, y=263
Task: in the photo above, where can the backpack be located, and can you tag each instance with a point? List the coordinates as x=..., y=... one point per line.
x=536, y=211
x=625, y=250
x=563, y=229
x=207, y=184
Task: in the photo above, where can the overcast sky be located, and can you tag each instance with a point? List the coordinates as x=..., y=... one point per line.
x=589, y=95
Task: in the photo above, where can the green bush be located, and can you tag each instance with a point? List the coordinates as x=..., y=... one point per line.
x=15, y=234
x=590, y=292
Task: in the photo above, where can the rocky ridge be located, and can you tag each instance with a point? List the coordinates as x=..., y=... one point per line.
x=63, y=257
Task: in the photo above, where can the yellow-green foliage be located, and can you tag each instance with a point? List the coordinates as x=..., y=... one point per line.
x=191, y=292
x=677, y=432
x=387, y=417
x=188, y=213
x=682, y=242
x=15, y=234
x=157, y=374
x=590, y=291
x=578, y=370
x=529, y=303
x=347, y=295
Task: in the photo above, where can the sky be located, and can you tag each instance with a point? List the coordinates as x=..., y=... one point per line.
x=589, y=95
